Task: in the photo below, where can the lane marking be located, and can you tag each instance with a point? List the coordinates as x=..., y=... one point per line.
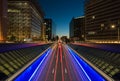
x=65, y=71
x=63, y=56
x=53, y=71
x=53, y=53
x=66, y=63
x=74, y=69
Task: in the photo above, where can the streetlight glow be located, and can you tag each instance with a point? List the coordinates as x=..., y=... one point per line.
x=113, y=26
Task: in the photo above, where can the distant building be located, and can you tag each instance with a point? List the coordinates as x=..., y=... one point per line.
x=25, y=20
x=65, y=39
x=48, y=23
x=3, y=20
x=77, y=28
x=102, y=20
x=53, y=29
x=50, y=28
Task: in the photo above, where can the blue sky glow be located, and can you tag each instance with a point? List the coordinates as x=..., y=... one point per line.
x=62, y=11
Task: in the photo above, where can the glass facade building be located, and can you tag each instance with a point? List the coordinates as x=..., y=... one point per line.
x=3, y=20
x=50, y=28
x=77, y=28
x=48, y=23
x=25, y=20
x=102, y=21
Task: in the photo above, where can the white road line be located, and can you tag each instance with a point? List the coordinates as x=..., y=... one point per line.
x=65, y=71
x=53, y=71
x=63, y=56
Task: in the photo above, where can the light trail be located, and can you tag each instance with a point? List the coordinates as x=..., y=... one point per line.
x=54, y=50
x=51, y=65
x=91, y=74
x=81, y=66
x=39, y=66
x=61, y=62
x=67, y=66
x=30, y=71
x=56, y=64
x=73, y=65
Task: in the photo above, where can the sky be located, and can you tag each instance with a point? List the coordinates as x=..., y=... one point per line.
x=61, y=12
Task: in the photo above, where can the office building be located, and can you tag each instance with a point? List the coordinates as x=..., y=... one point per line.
x=77, y=28
x=48, y=23
x=53, y=29
x=50, y=28
x=25, y=20
x=102, y=20
x=3, y=20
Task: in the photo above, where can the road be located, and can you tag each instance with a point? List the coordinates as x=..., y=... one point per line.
x=60, y=63
x=60, y=66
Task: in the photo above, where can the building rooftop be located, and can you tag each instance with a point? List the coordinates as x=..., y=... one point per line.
x=79, y=17
x=35, y=3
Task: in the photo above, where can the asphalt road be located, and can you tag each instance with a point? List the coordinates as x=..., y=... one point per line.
x=60, y=65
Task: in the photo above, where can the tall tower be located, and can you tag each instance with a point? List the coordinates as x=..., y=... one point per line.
x=49, y=28
x=3, y=20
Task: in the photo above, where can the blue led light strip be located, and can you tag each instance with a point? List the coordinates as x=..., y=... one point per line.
x=80, y=66
x=29, y=72
x=91, y=74
x=38, y=66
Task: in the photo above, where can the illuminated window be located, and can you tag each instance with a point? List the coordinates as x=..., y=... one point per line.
x=102, y=25
x=93, y=17
x=113, y=26
x=13, y=10
x=25, y=3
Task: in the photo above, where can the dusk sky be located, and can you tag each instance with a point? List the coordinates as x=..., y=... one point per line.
x=62, y=11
